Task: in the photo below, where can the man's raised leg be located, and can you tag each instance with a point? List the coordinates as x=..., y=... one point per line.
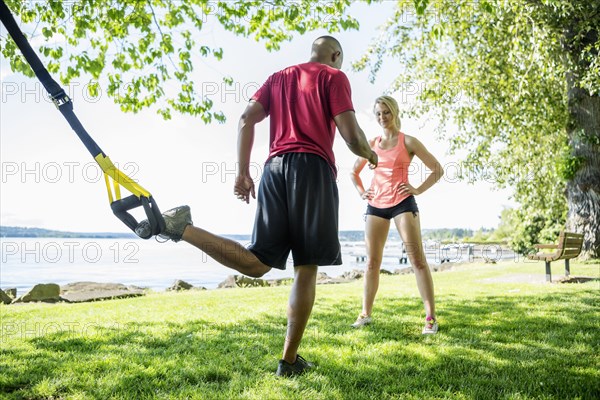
x=225, y=251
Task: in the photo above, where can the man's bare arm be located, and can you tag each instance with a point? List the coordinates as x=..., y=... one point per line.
x=252, y=115
x=354, y=136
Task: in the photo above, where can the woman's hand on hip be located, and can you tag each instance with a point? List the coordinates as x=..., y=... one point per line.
x=367, y=194
x=407, y=188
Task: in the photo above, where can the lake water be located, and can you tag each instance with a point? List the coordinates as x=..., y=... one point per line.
x=148, y=263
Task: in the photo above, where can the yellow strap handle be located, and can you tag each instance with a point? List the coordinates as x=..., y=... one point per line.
x=119, y=179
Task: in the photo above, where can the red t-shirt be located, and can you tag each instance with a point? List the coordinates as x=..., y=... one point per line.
x=302, y=101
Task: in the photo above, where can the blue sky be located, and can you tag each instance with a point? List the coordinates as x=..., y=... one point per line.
x=49, y=180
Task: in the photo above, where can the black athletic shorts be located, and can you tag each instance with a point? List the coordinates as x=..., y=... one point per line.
x=297, y=211
x=409, y=204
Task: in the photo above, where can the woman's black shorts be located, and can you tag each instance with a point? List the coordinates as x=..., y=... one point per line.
x=297, y=211
x=409, y=204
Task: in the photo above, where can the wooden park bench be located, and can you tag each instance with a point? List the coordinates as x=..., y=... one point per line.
x=569, y=246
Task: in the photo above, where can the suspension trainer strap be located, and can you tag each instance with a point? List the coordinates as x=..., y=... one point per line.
x=120, y=207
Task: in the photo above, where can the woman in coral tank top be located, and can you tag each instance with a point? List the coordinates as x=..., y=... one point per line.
x=391, y=197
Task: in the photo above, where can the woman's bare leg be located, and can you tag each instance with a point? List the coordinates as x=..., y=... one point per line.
x=376, y=233
x=409, y=228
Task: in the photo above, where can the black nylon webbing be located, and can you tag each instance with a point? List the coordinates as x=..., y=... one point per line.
x=57, y=93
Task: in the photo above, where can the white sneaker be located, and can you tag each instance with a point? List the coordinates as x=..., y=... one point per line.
x=431, y=326
x=361, y=321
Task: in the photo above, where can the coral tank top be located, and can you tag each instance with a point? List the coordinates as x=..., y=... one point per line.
x=391, y=171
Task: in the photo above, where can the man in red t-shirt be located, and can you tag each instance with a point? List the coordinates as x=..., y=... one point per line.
x=297, y=204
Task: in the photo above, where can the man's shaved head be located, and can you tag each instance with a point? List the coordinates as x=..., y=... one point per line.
x=327, y=50
x=327, y=41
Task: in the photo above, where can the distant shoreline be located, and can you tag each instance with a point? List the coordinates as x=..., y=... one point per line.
x=22, y=232
x=344, y=235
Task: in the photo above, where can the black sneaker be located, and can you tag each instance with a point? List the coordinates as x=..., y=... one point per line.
x=298, y=367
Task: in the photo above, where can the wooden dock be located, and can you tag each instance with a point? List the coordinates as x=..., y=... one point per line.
x=443, y=253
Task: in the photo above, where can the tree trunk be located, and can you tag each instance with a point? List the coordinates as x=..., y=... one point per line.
x=583, y=190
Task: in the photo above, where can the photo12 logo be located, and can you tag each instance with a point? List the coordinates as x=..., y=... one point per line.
x=34, y=92
x=71, y=329
x=68, y=252
x=55, y=172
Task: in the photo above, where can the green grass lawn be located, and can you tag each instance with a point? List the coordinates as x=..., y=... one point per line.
x=498, y=340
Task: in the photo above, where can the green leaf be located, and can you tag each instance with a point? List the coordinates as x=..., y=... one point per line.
x=123, y=40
